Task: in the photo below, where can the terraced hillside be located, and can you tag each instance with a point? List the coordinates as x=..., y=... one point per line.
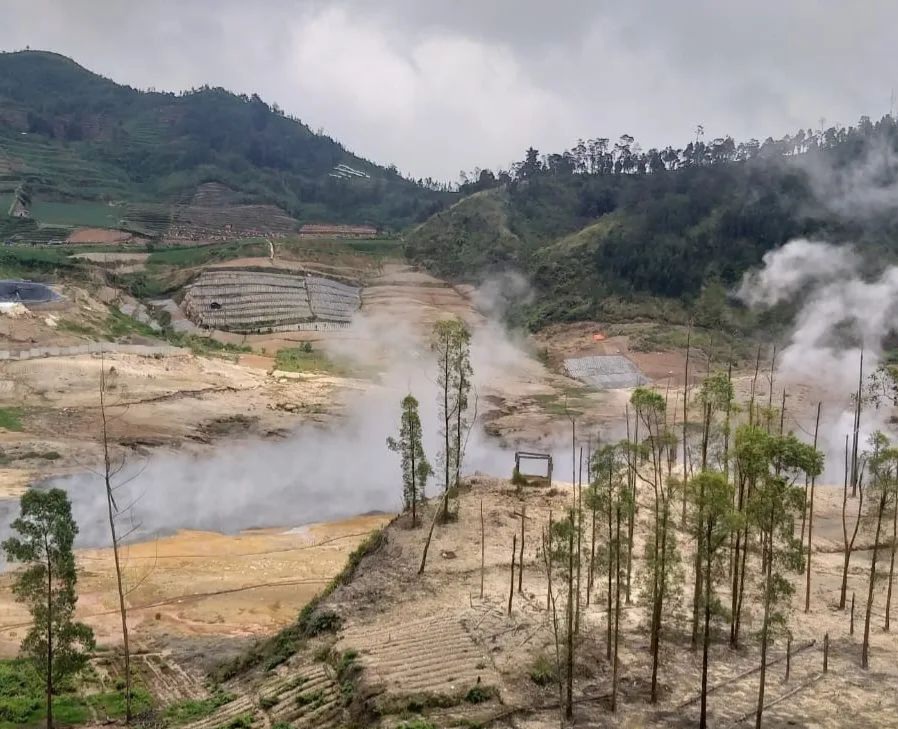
x=76, y=138
x=249, y=301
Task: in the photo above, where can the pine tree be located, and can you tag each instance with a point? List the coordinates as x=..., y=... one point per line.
x=415, y=468
x=56, y=644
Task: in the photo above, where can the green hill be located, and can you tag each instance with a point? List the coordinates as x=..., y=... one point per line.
x=613, y=233
x=87, y=148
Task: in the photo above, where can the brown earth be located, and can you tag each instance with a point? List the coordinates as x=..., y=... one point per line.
x=98, y=235
x=203, y=584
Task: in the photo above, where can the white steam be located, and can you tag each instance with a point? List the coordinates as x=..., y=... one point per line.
x=840, y=314
x=319, y=472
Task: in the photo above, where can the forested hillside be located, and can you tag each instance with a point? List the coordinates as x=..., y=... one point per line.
x=610, y=231
x=71, y=135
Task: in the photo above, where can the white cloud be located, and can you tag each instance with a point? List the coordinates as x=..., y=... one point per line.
x=437, y=88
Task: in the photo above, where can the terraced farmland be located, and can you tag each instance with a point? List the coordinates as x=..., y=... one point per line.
x=60, y=168
x=307, y=696
x=247, y=301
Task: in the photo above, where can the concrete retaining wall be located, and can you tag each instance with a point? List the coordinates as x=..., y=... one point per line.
x=144, y=350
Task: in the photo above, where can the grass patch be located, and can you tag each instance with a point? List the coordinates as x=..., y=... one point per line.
x=480, y=694
x=23, y=703
x=542, y=672
x=244, y=721
x=204, y=346
x=32, y=262
x=81, y=212
x=312, y=698
x=11, y=419
x=305, y=359
x=416, y=723
x=189, y=710
x=200, y=255
x=119, y=324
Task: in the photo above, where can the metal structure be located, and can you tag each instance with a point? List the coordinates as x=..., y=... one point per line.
x=530, y=456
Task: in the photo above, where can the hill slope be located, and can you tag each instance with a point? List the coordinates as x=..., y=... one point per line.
x=669, y=231
x=72, y=135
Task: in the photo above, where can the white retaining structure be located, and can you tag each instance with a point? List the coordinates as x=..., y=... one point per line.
x=143, y=350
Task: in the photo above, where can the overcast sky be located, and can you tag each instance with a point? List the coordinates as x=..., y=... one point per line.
x=437, y=87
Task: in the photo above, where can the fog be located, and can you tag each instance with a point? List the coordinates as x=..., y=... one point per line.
x=841, y=312
x=319, y=472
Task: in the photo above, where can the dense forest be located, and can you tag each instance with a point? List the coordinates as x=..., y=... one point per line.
x=606, y=225
x=57, y=118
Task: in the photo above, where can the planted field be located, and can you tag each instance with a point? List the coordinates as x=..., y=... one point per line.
x=79, y=213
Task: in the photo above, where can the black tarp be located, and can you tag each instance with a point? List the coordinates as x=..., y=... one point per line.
x=26, y=292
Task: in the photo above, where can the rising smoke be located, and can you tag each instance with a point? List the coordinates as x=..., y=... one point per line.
x=841, y=313
x=319, y=472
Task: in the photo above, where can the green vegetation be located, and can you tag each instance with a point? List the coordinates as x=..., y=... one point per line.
x=312, y=698
x=56, y=646
x=82, y=213
x=416, y=723
x=11, y=418
x=23, y=705
x=305, y=359
x=608, y=232
x=244, y=721
x=479, y=694
x=201, y=255
x=189, y=710
x=34, y=263
x=543, y=671
x=85, y=141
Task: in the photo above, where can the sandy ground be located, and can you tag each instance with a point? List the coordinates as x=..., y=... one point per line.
x=98, y=235
x=500, y=649
x=201, y=584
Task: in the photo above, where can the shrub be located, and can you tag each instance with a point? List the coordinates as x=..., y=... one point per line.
x=479, y=694
x=542, y=673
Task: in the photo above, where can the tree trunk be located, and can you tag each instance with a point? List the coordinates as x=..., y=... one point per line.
x=569, y=708
x=616, y=611
x=659, y=606
x=810, y=512
x=891, y=563
x=610, y=569
x=521, y=559
x=849, y=543
x=514, y=549
x=482, y=549
x=110, y=503
x=592, y=555
x=865, y=649
x=857, y=427
x=767, y=586
x=579, y=526
x=706, y=636
x=631, y=475
x=433, y=523
x=49, y=684
x=686, y=418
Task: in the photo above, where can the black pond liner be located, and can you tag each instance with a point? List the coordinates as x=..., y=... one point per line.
x=26, y=292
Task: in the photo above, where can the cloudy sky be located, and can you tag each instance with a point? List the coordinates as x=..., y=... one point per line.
x=437, y=87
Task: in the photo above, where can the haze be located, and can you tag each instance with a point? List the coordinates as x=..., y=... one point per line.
x=435, y=89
